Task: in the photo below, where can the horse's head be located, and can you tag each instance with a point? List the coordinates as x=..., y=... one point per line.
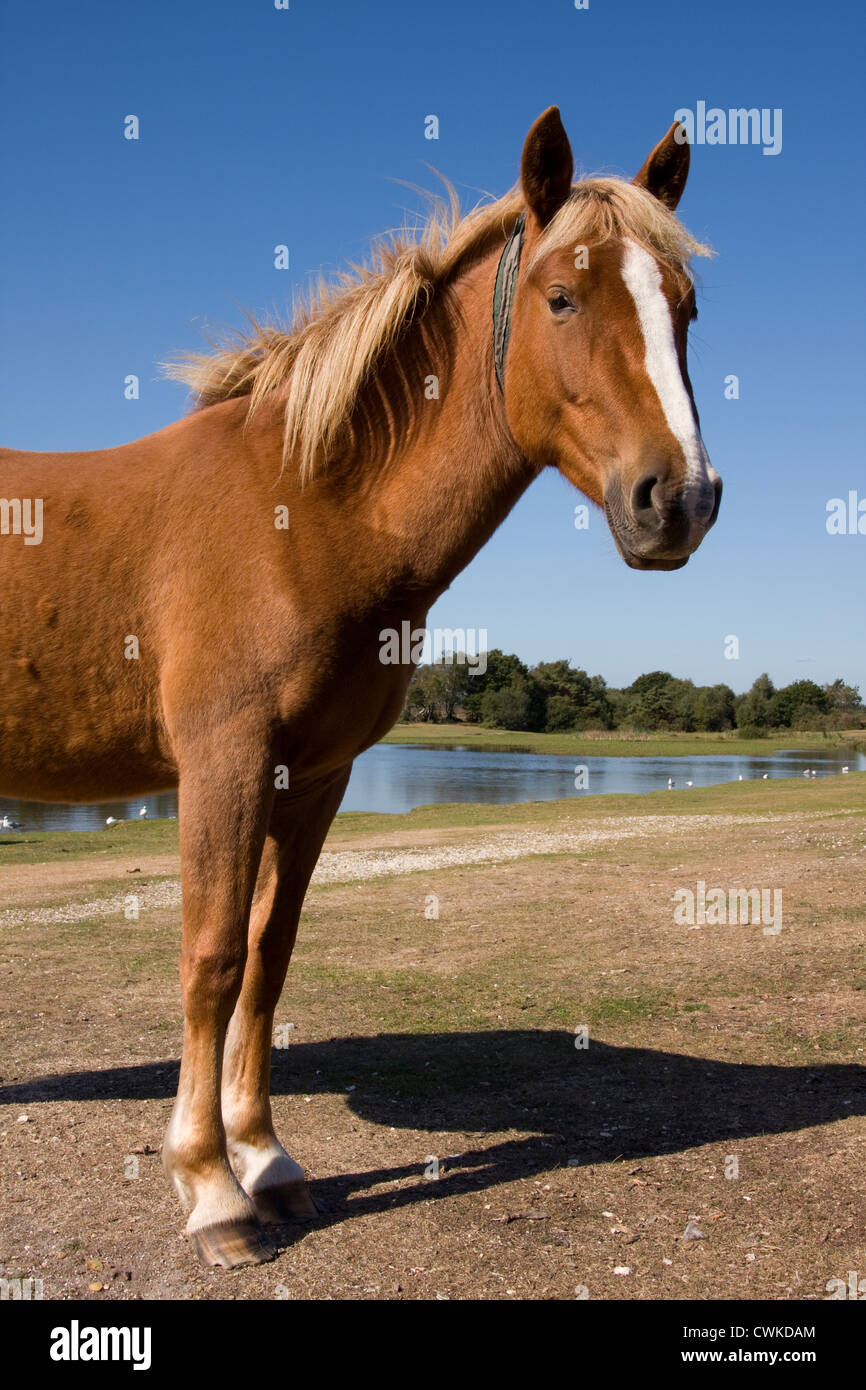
x=595, y=378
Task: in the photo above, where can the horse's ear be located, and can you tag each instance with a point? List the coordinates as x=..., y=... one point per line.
x=665, y=171
x=547, y=167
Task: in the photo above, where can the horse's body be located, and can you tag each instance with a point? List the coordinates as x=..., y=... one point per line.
x=171, y=629
x=136, y=545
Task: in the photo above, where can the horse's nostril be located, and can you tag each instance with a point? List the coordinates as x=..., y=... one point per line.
x=643, y=506
x=705, y=505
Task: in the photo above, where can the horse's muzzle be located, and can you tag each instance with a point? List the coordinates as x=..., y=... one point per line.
x=657, y=528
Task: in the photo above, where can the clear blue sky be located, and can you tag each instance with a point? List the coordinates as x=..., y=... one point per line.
x=261, y=126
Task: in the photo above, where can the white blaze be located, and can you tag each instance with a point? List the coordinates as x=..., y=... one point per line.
x=644, y=282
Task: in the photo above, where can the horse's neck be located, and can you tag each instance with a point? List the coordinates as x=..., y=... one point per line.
x=446, y=489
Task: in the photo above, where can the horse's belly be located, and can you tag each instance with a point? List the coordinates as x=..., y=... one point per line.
x=67, y=759
x=88, y=781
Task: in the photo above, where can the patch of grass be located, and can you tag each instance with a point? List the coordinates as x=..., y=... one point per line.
x=796, y=1040
x=614, y=1009
x=829, y=795
x=398, y=999
x=604, y=1011
x=834, y=1040
x=129, y=838
x=601, y=744
x=414, y=1000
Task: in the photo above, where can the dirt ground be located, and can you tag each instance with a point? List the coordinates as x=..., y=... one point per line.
x=708, y=1142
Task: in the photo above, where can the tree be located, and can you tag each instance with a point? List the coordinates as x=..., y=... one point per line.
x=652, y=700
x=507, y=707
x=421, y=697
x=436, y=690
x=500, y=668
x=846, y=705
x=561, y=713
x=755, y=709
x=454, y=683
x=598, y=712
x=566, y=697
x=620, y=709
x=558, y=697
x=800, y=701
x=714, y=708
x=680, y=696
x=652, y=680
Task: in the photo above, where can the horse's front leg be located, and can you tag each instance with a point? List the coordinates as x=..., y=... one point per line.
x=273, y=1180
x=226, y=792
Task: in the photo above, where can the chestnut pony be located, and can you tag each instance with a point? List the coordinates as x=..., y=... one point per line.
x=203, y=608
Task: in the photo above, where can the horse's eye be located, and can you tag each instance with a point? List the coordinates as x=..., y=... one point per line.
x=560, y=303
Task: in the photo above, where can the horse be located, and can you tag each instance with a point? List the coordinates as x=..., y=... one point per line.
x=204, y=608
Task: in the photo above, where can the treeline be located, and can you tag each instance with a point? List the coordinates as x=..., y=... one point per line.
x=554, y=697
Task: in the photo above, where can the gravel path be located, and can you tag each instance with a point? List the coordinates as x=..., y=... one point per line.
x=354, y=866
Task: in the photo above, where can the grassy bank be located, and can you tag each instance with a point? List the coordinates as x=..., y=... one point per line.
x=615, y=745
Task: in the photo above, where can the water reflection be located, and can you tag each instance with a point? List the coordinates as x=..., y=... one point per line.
x=393, y=778
x=382, y=781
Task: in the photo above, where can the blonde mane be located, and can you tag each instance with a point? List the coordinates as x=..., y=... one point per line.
x=319, y=363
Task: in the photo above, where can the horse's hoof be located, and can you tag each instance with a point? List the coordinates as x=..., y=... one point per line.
x=291, y=1201
x=232, y=1244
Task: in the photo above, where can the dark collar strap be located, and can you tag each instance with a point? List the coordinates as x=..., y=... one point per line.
x=503, y=297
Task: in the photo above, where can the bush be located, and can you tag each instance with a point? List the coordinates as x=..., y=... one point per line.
x=507, y=708
x=561, y=714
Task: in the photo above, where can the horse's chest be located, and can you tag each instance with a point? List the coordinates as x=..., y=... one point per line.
x=358, y=691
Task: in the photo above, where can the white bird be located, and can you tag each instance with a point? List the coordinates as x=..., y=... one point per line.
x=671, y=784
x=112, y=820
x=806, y=773
x=846, y=769
x=814, y=773
x=765, y=776
x=740, y=778
x=690, y=784
x=143, y=812
x=7, y=824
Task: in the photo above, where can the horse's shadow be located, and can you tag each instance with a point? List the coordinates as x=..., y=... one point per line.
x=563, y=1104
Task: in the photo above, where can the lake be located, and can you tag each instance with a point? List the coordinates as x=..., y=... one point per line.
x=394, y=778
